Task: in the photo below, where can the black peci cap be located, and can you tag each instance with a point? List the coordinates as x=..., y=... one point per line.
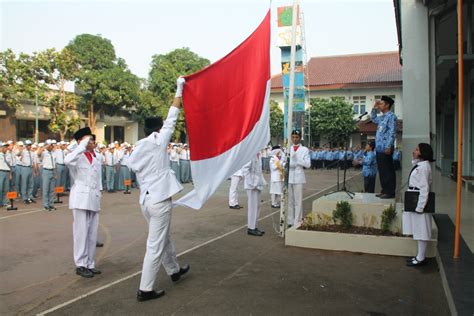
x=81, y=133
x=387, y=99
x=152, y=124
x=296, y=132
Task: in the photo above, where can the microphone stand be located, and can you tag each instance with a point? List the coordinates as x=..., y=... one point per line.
x=344, y=188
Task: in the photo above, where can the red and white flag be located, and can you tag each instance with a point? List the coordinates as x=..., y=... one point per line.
x=226, y=107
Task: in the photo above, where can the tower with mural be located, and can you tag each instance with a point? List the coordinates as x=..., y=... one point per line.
x=285, y=17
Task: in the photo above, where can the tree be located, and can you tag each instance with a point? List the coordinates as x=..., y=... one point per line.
x=332, y=118
x=20, y=78
x=276, y=120
x=57, y=69
x=105, y=82
x=165, y=69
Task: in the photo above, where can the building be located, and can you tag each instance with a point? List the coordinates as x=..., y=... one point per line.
x=360, y=79
x=20, y=124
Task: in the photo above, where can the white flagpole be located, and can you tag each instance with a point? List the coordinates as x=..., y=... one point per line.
x=284, y=202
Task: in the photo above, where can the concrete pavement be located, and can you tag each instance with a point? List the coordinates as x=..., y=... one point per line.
x=231, y=273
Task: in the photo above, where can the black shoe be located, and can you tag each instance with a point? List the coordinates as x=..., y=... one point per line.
x=416, y=263
x=32, y=201
x=254, y=232
x=410, y=259
x=95, y=271
x=84, y=272
x=151, y=295
x=275, y=206
x=379, y=194
x=262, y=231
x=27, y=202
x=182, y=271
x=99, y=244
x=52, y=208
x=386, y=196
x=235, y=207
x=47, y=209
x=289, y=225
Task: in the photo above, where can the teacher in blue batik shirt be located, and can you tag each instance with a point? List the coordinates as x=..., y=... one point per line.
x=384, y=145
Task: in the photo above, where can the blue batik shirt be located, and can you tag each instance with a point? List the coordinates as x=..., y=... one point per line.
x=396, y=155
x=369, y=165
x=386, y=130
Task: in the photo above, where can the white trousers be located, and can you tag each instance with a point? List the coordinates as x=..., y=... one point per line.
x=295, y=203
x=159, y=247
x=84, y=228
x=234, y=190
x=253, y=207
x=276, y=199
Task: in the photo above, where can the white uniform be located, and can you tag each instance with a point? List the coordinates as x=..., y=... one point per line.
x=234, y=188
x=299, y=159
x=84, y=201
x=253, y=184
x=158, y=184
x=277, y=176
x=417, y=223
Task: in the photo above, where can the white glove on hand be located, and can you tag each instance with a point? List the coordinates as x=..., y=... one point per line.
x=179, y=87
x=85, y=141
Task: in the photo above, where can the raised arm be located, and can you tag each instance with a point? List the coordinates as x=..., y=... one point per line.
x=73, y=156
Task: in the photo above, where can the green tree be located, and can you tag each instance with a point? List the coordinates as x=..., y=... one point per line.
x=276, y=120
x=57, y=69
x=165, y=69
x=105, y=82
x=20, y=78
x=332, y=119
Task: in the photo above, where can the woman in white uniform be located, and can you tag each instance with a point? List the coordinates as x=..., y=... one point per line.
x=418, y=223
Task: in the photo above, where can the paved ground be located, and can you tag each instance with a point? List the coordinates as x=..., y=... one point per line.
x=231, y=273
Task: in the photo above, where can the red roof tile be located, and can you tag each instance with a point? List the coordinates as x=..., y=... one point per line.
x=336, y=72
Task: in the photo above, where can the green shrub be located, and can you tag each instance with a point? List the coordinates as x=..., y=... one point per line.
x=388, y=215
x=343, y=214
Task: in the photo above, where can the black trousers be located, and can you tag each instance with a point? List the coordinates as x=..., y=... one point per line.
x=369, y=184
x=386, y=173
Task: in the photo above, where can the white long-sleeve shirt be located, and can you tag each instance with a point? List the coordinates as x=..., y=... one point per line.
x=420, y=178
x=150, y=162
x=299, y=159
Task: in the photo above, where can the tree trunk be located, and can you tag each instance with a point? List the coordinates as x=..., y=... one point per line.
x=91, y=117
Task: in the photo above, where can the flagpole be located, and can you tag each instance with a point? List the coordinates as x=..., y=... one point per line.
x=284, y=202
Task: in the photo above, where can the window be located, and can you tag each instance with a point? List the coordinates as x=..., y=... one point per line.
x=378, y=97
x=359, y=104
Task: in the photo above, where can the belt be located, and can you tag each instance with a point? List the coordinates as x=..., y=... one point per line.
x=48, y=169
x=414, y=188
x=4, y=170
x=61, y=164
x=25, y=166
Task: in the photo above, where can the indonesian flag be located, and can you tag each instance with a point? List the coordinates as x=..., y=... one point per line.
x=226, y=107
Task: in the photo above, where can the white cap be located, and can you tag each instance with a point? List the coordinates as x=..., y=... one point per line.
x=9, y=142
x=111, y=146
x=41, y=144
x=28, y=142
x=20, y=143
x=101, y=145
x=49, y=142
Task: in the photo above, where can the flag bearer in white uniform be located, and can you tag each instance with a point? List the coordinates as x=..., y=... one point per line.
x=253, y=184
x=158, y=183
x=49, y=174
x=299, y=159
x=234, y=189
x=418, y=223
x=84, y=201
x=277, y=175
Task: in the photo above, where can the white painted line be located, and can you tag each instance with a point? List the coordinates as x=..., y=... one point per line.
x=25, y=213
x=178, y=255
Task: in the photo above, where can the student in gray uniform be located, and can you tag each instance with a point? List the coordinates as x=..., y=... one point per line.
x=48, y=175
x=26, y=162
x=4, y=175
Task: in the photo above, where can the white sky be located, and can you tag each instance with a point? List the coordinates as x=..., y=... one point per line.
x=210, y=28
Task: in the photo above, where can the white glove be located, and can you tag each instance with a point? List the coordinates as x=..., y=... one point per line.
x=179, y=87
x=85, y=141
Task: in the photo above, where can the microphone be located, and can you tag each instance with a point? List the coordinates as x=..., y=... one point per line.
x=362, y=115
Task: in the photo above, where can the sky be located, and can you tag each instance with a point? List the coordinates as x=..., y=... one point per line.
x=211, y=28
